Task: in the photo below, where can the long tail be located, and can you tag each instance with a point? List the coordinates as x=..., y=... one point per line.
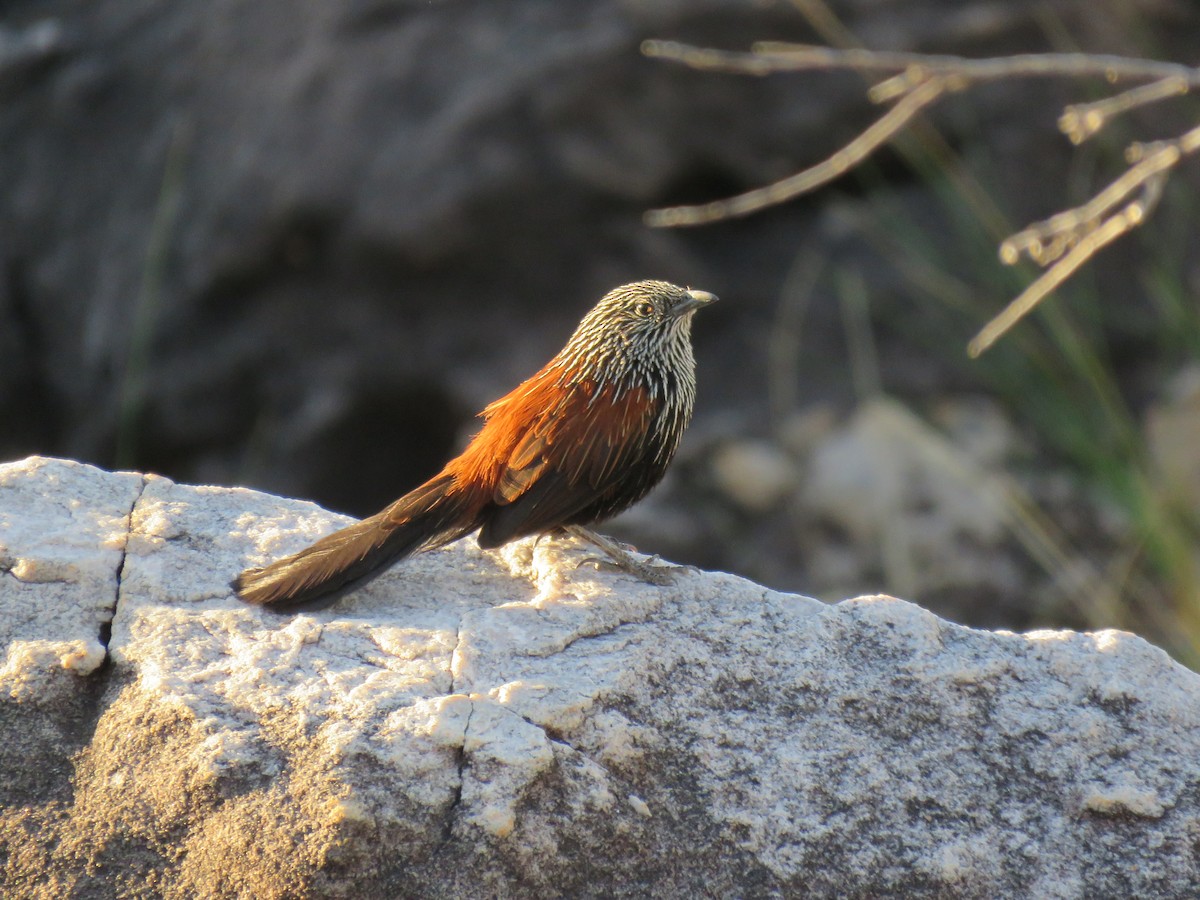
x=430, y=516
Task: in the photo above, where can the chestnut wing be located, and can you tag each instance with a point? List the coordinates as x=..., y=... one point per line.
x=582, y=449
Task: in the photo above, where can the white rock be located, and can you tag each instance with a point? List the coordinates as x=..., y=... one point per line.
x=804, y=429
x=63, y=528
x=885, y=464
x=910, y=504
x=977, y=426
x=755, y=475
x=479, y=724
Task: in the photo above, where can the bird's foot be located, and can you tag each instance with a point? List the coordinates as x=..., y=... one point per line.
x=620, y=560
x=651, y=574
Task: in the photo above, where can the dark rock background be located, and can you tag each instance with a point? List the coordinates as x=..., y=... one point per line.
x=295, y=245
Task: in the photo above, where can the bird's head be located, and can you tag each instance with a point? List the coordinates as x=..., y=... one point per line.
x=639, y=322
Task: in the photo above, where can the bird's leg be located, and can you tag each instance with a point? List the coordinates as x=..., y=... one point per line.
x=620, y=559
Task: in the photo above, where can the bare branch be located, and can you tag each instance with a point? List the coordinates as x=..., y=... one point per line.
x=1064, y=241
x=775, y=56
x=1072, y=237
x=922, y=80
x=1081, y=121
x=1112, y=229
x=1046, y=241
x=838, y=164
x=710, y=59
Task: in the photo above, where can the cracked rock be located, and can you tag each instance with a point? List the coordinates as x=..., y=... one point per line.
x=509, y=723
x=63, y=528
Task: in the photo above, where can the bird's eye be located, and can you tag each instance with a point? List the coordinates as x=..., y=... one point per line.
x=645, y=309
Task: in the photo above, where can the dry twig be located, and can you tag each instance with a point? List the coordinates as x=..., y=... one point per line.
x=1063, y=242
x=1066, y=241
x=802, y=182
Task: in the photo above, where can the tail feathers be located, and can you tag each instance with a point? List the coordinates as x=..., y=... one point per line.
x=319, y=575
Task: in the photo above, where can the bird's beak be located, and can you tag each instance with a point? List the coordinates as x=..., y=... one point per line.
x=692, y=301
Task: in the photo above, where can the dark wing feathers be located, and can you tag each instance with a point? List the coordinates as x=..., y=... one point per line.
x=318, y=575
x=526, y=464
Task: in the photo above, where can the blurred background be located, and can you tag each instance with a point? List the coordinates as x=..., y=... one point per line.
x=295, y=245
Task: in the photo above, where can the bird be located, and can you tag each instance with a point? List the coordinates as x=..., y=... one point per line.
x=584, y=438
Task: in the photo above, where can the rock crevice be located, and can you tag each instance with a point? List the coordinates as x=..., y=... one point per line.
x=106, y=627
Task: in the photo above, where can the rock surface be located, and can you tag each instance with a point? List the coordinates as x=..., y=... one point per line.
x=514, y=723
